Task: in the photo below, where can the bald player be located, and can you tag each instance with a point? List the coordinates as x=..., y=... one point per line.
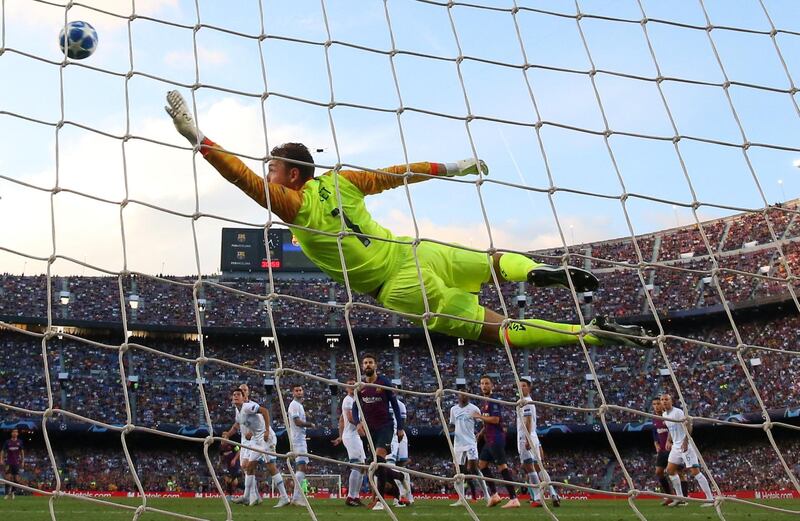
x=382, y=265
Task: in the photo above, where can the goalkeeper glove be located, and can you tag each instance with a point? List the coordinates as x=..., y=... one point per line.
x=466, y=167
x=182, y=118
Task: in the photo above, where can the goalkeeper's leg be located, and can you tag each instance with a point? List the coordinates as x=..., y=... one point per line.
x=514, y=267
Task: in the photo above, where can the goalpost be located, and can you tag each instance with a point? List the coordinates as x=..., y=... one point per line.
x=530, y=118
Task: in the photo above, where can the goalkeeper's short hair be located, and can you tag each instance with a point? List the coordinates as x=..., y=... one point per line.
x=296, y=152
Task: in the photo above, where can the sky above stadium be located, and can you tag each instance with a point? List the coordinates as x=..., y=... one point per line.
x=90, y=157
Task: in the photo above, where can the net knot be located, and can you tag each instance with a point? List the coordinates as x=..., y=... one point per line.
x=459, y=478
x=746, y=145
x=592, y=72
x=201, y=360
x=373, y=467
x=400, y=109
x=272, y=296
x=709, y=28
x=123, y=347
x=633, y=492
x=196, y=216
x=676, y=139
x=602, y=410
x=726, y=84
x=644, y=21
x=139, y=511
x=773, y=32
x=208, y=441
x=292, y=455
x=129, y=427
x=659, y=79
x=427, y=316
x=459, y=59
x=438, y=394
x=767, y=424
x=264, y=96
x=328, y=43
x=279, y=372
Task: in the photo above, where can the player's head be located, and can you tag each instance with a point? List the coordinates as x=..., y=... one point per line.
x=297, y=392
x=657, y=407
x=666, y=402
x=237, y=396
x=525, y=385
x=350, y=381
x=14, y=434
x=245, y=390
x=286, y=173
x=369, y=364
x=463, y=400
x=487, y=384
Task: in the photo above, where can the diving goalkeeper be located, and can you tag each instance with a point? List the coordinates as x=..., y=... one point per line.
x=380, y=264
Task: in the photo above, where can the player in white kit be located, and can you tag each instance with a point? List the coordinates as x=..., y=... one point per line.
x=465, y=445
x=261, y=436
x=681, y=452
x=529, y=448
x=271, y=461
x=350, y=435
x=297, y=435
x=399, y=454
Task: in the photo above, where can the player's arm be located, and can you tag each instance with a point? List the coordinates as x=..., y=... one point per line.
x=265, y=414
x=235, y=459
x=302, y=423
x=493, y=416
x=230, y=432
x=376, y=182
x=3, y=454
x=21, y=458
x=527, y=421
x=284, y=202
x=338, y=440
x=399, y=417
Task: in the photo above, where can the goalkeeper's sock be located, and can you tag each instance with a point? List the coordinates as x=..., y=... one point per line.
x=354, y=483
x=515, y=267
x=527, y=334
x=277, y=482
x=704, y=486
x=676, y=485
x=533, y=490
x=298, y=486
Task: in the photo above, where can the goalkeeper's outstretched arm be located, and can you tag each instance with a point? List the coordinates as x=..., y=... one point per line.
x=376, y=182
x=284, y=202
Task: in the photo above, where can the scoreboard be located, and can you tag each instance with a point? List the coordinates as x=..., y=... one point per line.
x=244, y=249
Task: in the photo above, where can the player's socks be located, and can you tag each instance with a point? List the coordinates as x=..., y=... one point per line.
x=515, y=267
x=533, y=490
x=298, y=486
x=685, y=487
x=277, y=482
x=676, y=485
x=354, y=483
x=666, y=488
x=526, y=334
x=704, y=486
x=544, y=476
x=248, y=487
x=490, y=484
x=472, y=489
x=512, y=490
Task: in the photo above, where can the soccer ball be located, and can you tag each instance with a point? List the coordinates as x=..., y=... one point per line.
x=80, y=42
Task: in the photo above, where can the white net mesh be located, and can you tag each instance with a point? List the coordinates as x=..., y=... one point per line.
x=473, y=54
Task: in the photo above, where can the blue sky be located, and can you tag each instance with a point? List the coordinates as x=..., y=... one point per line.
x=93, y=164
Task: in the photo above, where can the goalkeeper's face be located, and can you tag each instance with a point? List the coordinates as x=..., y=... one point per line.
x=284, y=174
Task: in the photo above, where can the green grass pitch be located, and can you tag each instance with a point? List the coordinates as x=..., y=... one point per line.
x=69, y=509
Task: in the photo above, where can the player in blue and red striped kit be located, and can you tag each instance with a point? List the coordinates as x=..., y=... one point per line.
x=494, y=448
x=13, y=457
x=375, y=403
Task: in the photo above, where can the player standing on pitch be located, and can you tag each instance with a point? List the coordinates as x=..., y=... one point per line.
x=13, y=457
x=494, y=447
x=375, y=403
x=382, y=265
x=350, y=434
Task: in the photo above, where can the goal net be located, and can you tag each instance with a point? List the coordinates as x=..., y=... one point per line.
x=672, y=126
x=322, y=486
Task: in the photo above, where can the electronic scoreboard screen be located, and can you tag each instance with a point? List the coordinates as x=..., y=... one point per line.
x=244, y=249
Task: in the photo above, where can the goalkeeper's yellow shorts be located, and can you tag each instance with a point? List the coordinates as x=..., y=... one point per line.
x=452, y=277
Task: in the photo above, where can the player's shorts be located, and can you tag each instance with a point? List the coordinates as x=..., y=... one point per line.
x=355, y=449
x=662, y=458
x=452, y=279
x=12, y=470
x=468, y=454
x=688, y=458
x=382, y=438
x=399, y=449
x=247, y=452
x=528, y=455
x=494, y=453
x=300, y=446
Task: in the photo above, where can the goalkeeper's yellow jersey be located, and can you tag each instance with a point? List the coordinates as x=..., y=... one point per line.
x=370, y=251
